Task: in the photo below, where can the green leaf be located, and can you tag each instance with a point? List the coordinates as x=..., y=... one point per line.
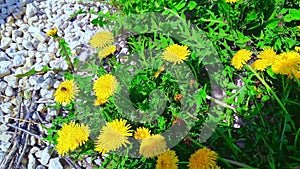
x=294, y=14
x=251, y=17
x=192, y=5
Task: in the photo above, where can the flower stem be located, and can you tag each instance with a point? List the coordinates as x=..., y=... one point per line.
x=287, y=115
x=61, y=42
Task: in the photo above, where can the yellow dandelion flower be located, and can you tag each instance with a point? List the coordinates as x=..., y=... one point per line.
x=153, y=146
x=268, y=54
x=102, y=39
x=287, y=63
x=231, y=1
x=104, y=52
x=297, y=49
x=260, y=64
x=66, y=92
x=203, y=158
x=100, y=101
x=167, y=160
x=142, y=133
x=266, y=58
x=241, y=58
x=113, y=136
x=298, y=27
x=105, y=86
x=176, y=53
x=52, y=32
x=71, y=136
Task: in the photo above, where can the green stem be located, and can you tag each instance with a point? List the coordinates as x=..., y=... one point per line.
x=269, y=89
x=235, y=163
x=278, y=101
x=61, y=45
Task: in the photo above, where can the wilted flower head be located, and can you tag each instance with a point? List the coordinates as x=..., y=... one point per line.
x=113, y=136
x=153, y=146
x=102, y=39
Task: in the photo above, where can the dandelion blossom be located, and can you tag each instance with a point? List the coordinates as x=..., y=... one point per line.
x=241, y=58
x=102, y=39
x=52, y=32
x=113, y=136
x=287, y=63
x=66, y=92
x=142, y=133
x=71, y=136
x=176, y=53
x=266, y=58
x=268, y=54
x=167, y=160
x=203, y=158
x=104, y=52
x=100, y=101
x=260, y=64
x=298, y=27
x=231, y=1
x=105, y=86
x=153, y=146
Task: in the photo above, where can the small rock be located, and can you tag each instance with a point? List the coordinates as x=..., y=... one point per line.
x=9, y=91
x=6, y=64
x=17, y=15
x=19, y=60
x=59, y=64
x=33, y=19
x=30, y=10
x=38, y=67
x=10, y=2
x=12, y=9
x=3, y=85
x=40, y=107
x=27, y=45
x=42, y=47
x=31, y=162
x=40, y=167
x=55, y=164
x=5, y=146
x=3, y=56
x=46, y=94
x=19, y=40
x=4, y=72
x=45, y=156
x=10, y=20
x=5, y=43
x=15, y=34
x=5, y=107
x=11, y=81
x=47, y=84
x=4, y=137
x=39, y=36
x=32, y=141
x=33, y=150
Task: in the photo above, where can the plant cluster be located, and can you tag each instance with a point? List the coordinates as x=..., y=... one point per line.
x=205, y=84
